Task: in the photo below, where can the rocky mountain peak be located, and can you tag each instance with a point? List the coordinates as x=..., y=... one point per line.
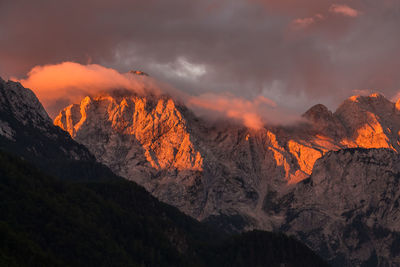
x=375, y=103
x=22, y=104
x=317, y=113
x=324, y=122
x=154, y=123
x=370, y=121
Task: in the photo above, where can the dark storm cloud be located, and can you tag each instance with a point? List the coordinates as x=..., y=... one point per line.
x=296, y=53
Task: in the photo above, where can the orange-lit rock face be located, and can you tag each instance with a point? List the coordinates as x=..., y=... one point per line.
x=159, y=128
x=305, y=155
x=72, y=117
x=278, y=153
x=371, y=136
x=284, y=159
x=371, y=122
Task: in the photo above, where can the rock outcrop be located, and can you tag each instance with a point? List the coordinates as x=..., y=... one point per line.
x=348, y=210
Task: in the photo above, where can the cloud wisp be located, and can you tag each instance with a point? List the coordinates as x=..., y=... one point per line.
x=344, y=10
x=255, y=113
x=306, y=22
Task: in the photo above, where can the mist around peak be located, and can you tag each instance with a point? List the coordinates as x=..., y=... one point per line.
x=60, y=85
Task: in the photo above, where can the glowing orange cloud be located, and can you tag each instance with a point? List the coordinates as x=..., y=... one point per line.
x=344, y=10
x=69, y=82
x=236, y=108
x=305, y=22
x=302, y=23
x=252, y=113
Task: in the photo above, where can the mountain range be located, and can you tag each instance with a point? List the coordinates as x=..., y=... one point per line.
x=330, y=180
x=241, y=179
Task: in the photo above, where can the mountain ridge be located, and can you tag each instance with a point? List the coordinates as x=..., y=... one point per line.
x=91, y=217
x=157, y=138
x=251, y=179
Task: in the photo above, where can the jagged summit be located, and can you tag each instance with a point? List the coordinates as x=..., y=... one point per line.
x=371, y=121
x=153, y=125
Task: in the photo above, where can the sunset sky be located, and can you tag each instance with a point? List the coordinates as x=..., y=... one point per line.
x=291, y=54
